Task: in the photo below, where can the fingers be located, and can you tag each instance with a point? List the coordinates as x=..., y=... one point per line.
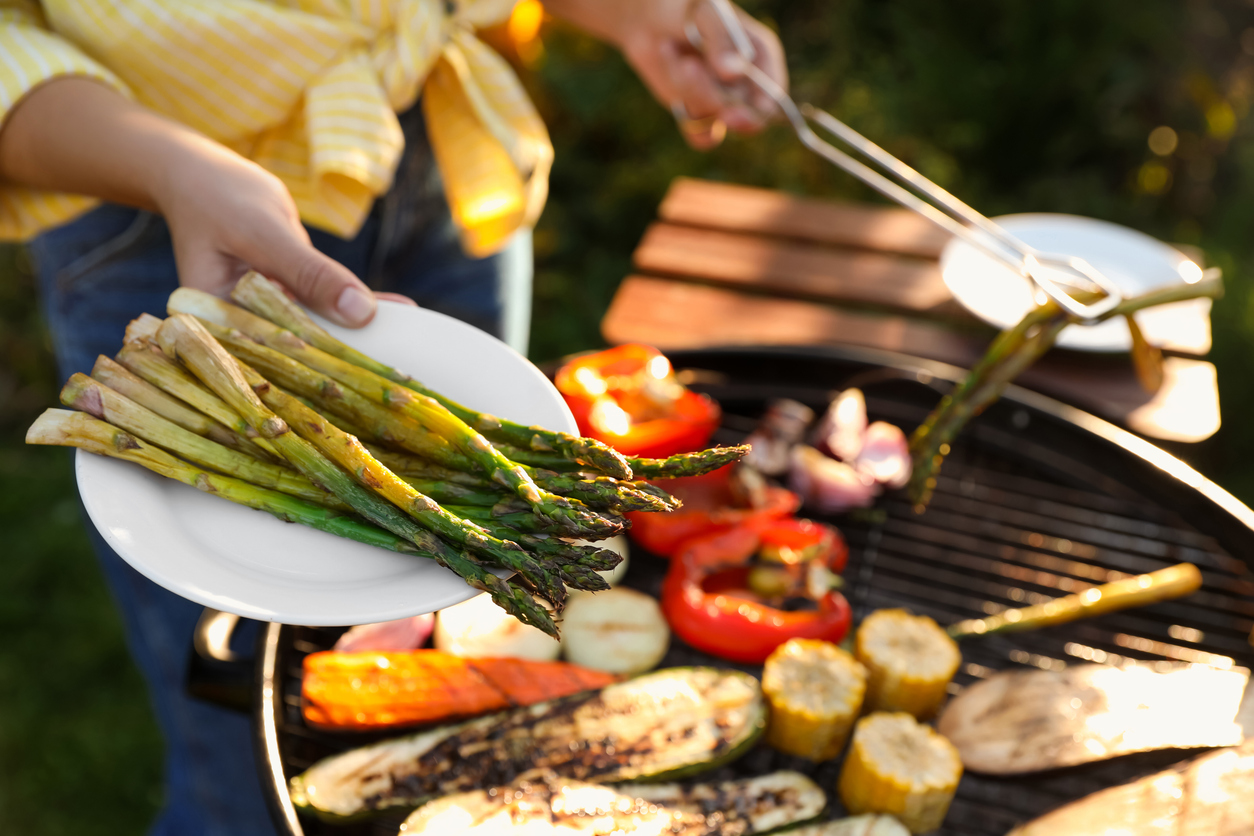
x=395, y=297
x=696, y=102
x=318, y=282
x=770, y=59
x=746, y=108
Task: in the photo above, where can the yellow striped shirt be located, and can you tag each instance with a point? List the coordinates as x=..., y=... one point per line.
x=309, y=89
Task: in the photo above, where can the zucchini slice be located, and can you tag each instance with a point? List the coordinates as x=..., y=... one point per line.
x=546, y=805
x=666, y=724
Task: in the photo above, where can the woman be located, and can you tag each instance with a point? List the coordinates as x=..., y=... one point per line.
x=350, y=150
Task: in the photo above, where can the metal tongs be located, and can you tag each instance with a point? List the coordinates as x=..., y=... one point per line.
x=1058, y=276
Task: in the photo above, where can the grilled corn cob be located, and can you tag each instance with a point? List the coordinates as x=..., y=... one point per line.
x=896, y=765
x=909, y=659
x=815, y=690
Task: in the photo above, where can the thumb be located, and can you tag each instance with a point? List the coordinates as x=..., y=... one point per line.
x=321, y=284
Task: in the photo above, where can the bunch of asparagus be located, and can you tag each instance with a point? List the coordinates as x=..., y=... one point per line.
x=1012, y=353
x=261, y=406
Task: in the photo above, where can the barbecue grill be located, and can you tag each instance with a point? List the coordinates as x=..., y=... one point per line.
x=1037, y=500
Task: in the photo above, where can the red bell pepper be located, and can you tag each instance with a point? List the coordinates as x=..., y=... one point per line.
x=706, y=599
x=709, y=507
x=629, y=398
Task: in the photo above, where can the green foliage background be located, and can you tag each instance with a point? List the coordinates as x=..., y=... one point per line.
x=1042, y=106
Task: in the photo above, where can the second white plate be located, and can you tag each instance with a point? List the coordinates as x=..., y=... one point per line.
x=1135, y=262
x=247, y=562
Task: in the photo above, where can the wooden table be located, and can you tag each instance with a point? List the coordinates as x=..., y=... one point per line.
x=729, y=265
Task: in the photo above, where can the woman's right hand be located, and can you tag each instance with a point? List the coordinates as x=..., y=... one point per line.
x=226, y=214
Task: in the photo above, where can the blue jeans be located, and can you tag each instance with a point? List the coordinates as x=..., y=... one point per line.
x=103, y=269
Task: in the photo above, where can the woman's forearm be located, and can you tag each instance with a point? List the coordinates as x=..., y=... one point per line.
x=608, y=20
x=225, y=213
x=77, y=135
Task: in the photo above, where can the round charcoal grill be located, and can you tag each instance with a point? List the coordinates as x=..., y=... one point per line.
x=1037, y=500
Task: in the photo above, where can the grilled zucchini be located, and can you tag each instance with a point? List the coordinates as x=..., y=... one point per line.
x=546, y=805
x=871, y=824
x=666, y=724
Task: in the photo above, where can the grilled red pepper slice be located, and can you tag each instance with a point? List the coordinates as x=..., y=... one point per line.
x=709, y=507
x=629, y=398
x=706, y=600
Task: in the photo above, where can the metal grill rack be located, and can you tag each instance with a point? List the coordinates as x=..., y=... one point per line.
x=1036, y=501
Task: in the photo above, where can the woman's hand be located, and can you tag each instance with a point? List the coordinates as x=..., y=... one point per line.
x=706, y=89
x=226, y=214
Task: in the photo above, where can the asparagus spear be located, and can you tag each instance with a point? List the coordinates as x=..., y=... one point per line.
x=118, y=378
x=520, y=520
x=688, y=464
x=576, y=563
x=599, y=492
x=183, y=337
x=1010, y=354
x=346, y=451
x=1162, y=585
x=81, y=392
x=573, y=515
x=147, y=361
x=458, y=494
x=265, y=298
x=369, y=420
x=418, y=467
x=350, y=412
x=673, y=467
x=64, y=428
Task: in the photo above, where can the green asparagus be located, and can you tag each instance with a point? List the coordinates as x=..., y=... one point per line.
x=266, y=299
x=60, y=427
x=370, y=420
x=1011, y=353
x=346, y=451
x=688, y=464
x=147, y=361
x=576, y=518
x=183, y=337
x=120, y=379
x=94, y=398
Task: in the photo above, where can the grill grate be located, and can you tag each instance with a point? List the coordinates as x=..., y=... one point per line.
x=1018, y=518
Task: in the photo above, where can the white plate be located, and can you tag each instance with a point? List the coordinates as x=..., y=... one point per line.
x=1135, y=262
x=247, y=562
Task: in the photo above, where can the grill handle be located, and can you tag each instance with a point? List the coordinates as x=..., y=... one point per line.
x=215, y=673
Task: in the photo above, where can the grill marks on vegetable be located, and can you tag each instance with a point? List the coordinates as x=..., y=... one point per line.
x=681, y=719
x=544, y=803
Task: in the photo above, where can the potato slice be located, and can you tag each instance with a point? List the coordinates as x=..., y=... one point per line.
x=618, y=631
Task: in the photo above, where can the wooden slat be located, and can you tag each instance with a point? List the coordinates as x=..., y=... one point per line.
x=704, y=203
x=790, y=268
x=675, y=315
x=679, y=315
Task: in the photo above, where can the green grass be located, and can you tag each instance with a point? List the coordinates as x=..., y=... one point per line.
x=79, y=751
x=1041, y=106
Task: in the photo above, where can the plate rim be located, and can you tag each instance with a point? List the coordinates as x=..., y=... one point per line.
x=1065, y=339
